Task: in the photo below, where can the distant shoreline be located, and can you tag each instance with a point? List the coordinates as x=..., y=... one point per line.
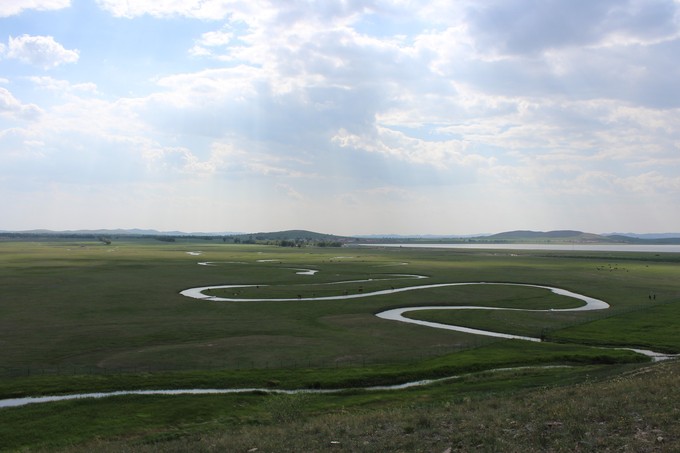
x=650, y=248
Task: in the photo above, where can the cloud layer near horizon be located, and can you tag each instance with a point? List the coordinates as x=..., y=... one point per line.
x=345, y=117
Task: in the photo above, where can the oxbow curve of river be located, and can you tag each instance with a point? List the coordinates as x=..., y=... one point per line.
x=396, y=314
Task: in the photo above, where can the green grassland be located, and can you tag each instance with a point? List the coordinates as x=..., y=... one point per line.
x=81, y=316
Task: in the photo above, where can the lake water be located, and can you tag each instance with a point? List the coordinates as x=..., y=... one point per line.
x=651, y=248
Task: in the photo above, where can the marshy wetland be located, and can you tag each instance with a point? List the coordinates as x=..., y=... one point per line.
x=81, y=317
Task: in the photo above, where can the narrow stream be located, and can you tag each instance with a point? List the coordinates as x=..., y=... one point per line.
x=18, y=402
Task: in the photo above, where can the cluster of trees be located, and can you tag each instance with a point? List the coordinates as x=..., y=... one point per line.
x=281, y=242
x=290, y=243
x=329, y=244
x=303, y=243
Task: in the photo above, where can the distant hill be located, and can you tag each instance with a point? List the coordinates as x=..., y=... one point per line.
x=286, y=238
x=641, y=240
x=579, y=237
x=114, y=232
x=294, y=235
x=646, y=235
x=548, y=236
x=518, y=236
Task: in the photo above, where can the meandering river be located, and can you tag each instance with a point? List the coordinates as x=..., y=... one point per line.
x=397, y=314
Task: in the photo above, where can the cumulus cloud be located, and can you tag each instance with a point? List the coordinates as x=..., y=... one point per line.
x=210, y=40
x=201, y=9
x=13, y=7
x=42, y=51
x=13, y=108
x=237, y=10
x=530, y=26
x=496, y=84
x=62, y=86
x=398, y=145
x=554, y=48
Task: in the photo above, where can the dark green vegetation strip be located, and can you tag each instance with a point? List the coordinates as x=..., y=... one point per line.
x=499, y=354
x=79, y=317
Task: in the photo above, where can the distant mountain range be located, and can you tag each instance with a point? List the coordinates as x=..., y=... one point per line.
x=577, y=237
x=561, y=235
x=288, y=235
x=526, y=236
x=647, y=235
x=294, y=235
x=571, y=236
x=120, y=232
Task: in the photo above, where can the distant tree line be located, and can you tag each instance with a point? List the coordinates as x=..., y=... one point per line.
x=261, y=239
x=329, y=244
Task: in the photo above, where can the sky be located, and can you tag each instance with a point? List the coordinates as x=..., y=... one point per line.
x=346, y=117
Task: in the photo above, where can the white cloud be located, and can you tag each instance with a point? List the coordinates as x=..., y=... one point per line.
x=13, y=108
x=290, y=192
x=523, y=27
x=95, y=118
x=394, y=144
x=13, y=7
x=209, y=40
x=63, y=86
x=652, y=183
x=209, y=86
x=200, y=9
x=608, y=49
x=42, y=51
x=226, y=157
x=429, y=99
x=252, y=12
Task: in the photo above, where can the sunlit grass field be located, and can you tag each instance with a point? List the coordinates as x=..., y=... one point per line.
x=79, y=316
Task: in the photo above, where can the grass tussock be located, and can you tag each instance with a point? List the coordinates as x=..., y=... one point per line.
x=634, y=412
